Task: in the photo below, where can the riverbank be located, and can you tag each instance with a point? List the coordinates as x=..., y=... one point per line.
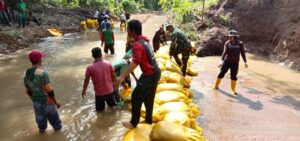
x=13, y=38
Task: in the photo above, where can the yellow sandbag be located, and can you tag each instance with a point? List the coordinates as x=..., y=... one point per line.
x=170, y=96
x=54, y=32
x=193, y=125
x=186, y=81
x=163, y=56
x=172, y=87
x=195, y=110
x=83, y=24
x=162, y=80
x=173, y=77
x=89, y=23
x=174, y=107
x=95, y=24
x=112, y=23
x=162, y=66
x=156, y=116
x=125, y=93
x=164, y=50
x=191, y=71
x=167, y=131
x=178, y=118
x=173, y=67
x=140, y=133
x=161, y=60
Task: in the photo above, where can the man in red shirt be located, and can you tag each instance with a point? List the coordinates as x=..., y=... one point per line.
x=144, y=91
x=103, y=77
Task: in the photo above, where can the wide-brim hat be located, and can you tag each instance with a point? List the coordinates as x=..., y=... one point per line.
x=233, y=33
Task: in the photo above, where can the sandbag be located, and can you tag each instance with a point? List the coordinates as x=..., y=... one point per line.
x=167, y=131
x=125, y=93
x=112, y=23
x=156, y=115
x=179, y=118
x=83, y=24
x=90, y=23
x=173, y=67
x=172, y=77
x=174, y=107
x=172, y=87
x=140, y=133
x=163, y=56
x=162, y=66
x=170, y=96
x=54, y=32
x=191, y=71
x=186, y=81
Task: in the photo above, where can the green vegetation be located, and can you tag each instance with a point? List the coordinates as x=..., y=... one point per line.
x=187, y=12
x=116, y=6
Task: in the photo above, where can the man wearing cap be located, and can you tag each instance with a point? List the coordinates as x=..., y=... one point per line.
x=41, y=93
x=233, y=48
x=145, y=89
x=105, y=23
x=103, y=78
x=180, y=45
x=157, y=39
x=120, y=66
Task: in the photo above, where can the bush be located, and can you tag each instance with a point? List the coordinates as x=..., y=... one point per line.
x=188, y=27
x=224, y=19
x=193, y=36
x=130, y=6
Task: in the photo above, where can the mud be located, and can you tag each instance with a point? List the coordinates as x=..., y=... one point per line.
x=267, y=106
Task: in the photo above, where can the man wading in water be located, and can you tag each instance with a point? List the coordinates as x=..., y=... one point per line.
x=144, y=91
x=230, y=59
x=41, y=93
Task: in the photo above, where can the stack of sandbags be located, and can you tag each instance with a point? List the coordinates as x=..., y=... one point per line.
x=89, y=23
x=173, y=111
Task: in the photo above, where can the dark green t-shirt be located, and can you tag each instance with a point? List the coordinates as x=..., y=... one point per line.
x=21, y=7
x=36, y=86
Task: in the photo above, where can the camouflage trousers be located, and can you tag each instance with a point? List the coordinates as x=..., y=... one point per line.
x=185, y=53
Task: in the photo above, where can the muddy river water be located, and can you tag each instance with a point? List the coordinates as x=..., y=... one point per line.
x=267, y=107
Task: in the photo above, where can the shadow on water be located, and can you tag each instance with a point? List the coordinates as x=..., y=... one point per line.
x=288, y=101
x=243, y=100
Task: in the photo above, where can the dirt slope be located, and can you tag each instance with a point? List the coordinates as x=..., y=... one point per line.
x=271, y=28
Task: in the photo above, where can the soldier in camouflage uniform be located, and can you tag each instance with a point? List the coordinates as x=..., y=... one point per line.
x=180, y=44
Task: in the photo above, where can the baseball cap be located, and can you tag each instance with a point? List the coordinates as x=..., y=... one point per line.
x=36, y=56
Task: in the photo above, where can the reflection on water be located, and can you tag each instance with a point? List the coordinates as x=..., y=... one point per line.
x=67, y=58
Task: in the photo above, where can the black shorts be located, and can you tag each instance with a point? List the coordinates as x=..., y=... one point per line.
x=100, y=101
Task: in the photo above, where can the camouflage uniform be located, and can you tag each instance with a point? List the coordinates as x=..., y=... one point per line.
x=180, y=44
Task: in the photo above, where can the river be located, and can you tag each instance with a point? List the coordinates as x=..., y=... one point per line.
x=267, y=106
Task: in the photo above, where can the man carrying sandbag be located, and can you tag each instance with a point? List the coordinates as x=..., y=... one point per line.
x=180, y=45
x=144, y=91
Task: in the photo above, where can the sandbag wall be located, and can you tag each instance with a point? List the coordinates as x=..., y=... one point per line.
x=174, y=113
x=93, y=24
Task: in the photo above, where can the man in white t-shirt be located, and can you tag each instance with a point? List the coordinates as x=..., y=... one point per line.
x=123, y=20
x=96, y=14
